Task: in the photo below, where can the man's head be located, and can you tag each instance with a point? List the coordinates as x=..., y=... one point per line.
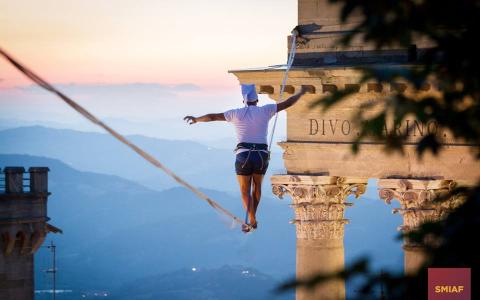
x=249, y=94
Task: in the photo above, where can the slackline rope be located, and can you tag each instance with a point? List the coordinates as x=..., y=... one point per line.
x=45, y=85
x=42, y=83
x=291, y=57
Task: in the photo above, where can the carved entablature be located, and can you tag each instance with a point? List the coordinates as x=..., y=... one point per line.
x=321, y=81
x=418, y=199
x=319, y=202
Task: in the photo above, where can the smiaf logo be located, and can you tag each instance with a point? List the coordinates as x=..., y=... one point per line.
x=449, y=284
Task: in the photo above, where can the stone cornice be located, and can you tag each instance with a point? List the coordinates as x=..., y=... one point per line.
x=323, y=81
x=324, y=158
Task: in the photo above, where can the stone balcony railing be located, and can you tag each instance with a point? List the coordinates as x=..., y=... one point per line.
x=13, y=180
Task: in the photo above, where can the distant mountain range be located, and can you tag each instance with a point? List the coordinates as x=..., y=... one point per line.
x=116, y=231
x=97, y=152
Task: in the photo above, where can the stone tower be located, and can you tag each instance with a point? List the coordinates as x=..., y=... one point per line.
x=23, y=228
x=321, y=171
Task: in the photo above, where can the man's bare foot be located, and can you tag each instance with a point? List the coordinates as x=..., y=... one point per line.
x=246, y=228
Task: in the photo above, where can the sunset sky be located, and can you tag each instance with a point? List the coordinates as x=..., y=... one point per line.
x=120, y=41
x=137, y=61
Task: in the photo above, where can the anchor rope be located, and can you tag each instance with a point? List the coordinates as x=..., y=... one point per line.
x=290, y=60
x=291, y=57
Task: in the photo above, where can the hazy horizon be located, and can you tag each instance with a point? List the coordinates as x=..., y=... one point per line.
x=158, y=110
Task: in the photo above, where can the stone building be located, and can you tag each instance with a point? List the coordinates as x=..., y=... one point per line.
x=23, y=228
x=321, y=171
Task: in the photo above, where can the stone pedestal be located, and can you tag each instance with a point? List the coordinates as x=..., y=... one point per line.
x=418, y=205
x=319, y=203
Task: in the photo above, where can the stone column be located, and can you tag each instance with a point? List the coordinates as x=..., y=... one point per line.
x=14, y=179
x=38, y=179
x=319, y=203
x=417, y=206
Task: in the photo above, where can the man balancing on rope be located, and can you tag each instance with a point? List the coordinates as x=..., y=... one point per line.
x=252, y=155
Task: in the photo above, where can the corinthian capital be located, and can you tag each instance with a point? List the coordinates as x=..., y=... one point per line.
x=319, y=202
x=419, y=199
x=317, y=189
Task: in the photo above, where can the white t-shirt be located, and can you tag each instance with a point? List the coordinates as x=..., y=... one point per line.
x=251, y=123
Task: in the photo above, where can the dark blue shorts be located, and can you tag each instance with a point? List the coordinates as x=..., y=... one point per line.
x=255, y=163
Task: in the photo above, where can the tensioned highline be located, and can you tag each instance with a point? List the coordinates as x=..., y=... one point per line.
x=45, y=85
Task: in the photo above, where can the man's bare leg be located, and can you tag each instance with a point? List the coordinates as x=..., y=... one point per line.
x=257, y=190
x=245, y=182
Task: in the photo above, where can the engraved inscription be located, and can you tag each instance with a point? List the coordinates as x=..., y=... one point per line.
x=341, y=128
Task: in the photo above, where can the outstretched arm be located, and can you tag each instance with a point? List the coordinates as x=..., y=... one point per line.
x=292, y=100
x=205, y=118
